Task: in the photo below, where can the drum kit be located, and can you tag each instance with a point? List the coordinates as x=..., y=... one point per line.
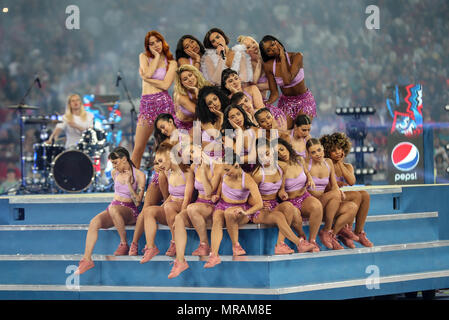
x=56, y=169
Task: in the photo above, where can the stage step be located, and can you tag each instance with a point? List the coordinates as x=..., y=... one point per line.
x=256, y=239
x=307, y=276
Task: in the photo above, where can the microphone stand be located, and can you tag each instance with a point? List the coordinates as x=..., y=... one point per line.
x=132, y=111
x=22, y=189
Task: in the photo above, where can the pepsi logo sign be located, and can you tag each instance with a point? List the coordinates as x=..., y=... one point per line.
x=405, y=156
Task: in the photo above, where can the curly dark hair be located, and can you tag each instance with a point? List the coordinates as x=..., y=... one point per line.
x=202, y=111
x=337, y=139
x=180, y=53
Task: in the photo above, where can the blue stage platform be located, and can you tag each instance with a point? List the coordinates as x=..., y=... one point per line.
x=42, y=239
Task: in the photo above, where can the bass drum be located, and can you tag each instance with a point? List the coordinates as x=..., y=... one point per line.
x=73, y=171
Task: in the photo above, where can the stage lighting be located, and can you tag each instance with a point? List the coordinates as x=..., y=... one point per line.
x=447, y=146
x=364, y=171
x=446, y=107
x=364, y=149
x=357, y=111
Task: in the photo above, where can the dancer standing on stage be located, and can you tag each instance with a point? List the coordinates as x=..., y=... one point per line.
x=75, y=120
x=188, y=82
x=157, y=70
x=286, y=70
x=337, y=147
x=189, y=50
x=129, y=186
x=219, y=56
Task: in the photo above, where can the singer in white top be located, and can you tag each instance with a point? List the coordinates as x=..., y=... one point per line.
x=75, y=121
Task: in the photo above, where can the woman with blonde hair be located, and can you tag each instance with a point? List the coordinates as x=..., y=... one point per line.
x=188, y=82
x=157, y=70
x=75, y=120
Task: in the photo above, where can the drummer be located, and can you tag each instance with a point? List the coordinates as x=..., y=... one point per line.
x=75, y=121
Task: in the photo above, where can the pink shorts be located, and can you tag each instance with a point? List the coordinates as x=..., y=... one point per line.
x=129, y=205
x=200, y=200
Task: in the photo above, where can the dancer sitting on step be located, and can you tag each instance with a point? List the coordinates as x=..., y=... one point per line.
x=337, y=147
x=129, y=186
x=235, y=187
x=300, y=134
x=180, y=187
x=198, y=214
x=337, y=212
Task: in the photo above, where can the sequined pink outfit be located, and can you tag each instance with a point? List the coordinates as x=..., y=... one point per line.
x=151, y=105
x=303, y=103
x=186, y=125
x=277, y=113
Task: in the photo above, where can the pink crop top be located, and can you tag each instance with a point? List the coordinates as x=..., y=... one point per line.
x=198, y=185
x=235, y=194
x=320, y=183
x=178, y=191
x=298, y=78
x=268, y=188
x=122, y=190
x=295, y=184
x=303, y=153
x=159, y=73
x=184, y=110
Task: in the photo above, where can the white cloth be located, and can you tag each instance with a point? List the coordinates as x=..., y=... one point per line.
x=241, y=64
x=73, y=135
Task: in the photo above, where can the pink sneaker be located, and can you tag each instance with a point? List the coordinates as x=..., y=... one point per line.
x=212, y=261
x=171, y=251
x=347, y=232
x=305, y=246
x=122, y=250
x=282, y=248
x=237, y=250
x=202, y=250
x=149, y=254
x=363, y=240
x=133, y=251
x=326, y=238
x=335, y=244
x=317, y=247
x=178, y=267
x=84, y=265
x=346, y=241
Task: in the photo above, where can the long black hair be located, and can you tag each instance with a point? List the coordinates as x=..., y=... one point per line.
x=120, y=153
x=264, y=55
x=158, y=135
x=225, y=74
x=180, y=53
x=294, y=158
x=202, y=111
x=227, y=125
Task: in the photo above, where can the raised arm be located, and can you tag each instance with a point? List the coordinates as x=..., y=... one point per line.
x=168, y=80
x=272, y=85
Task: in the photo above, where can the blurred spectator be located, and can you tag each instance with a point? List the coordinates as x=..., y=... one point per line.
x=10, y=182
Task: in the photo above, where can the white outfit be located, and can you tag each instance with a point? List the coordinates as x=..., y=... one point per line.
x=241, y=63
x=73, y=135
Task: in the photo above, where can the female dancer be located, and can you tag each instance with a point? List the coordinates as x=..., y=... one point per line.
x=157, y=70
x=189, y=80
x=266, y=122
x=209, y=110
x=189, y=50
x=180, y=187
x=129, y=186
x=219, y=56
x=244, y=132
x=252, y=49
x=300, y=134
x=289, y=75
x=268, y=175
x=322, y=171
x=233, y=192
x=297, y=179
x=337, y=147
x=240, y=98
x=198, y=214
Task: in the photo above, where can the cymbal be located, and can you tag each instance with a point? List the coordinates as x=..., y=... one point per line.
x=41, y=120
x=22, y=106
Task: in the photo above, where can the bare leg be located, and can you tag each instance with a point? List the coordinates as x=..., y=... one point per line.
x=152, y=215
x=181, y=222
x=345, y=215
x=100, y=221
x=313, y=210
x=171, y=209
x=330, y=202
x=121, y=216
x=293, y=218
x=138, y=230
x=143, y=133
x=362, y=213
x=217, y=230
x=198, y=214
x=232, y=224
x=278, y=219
